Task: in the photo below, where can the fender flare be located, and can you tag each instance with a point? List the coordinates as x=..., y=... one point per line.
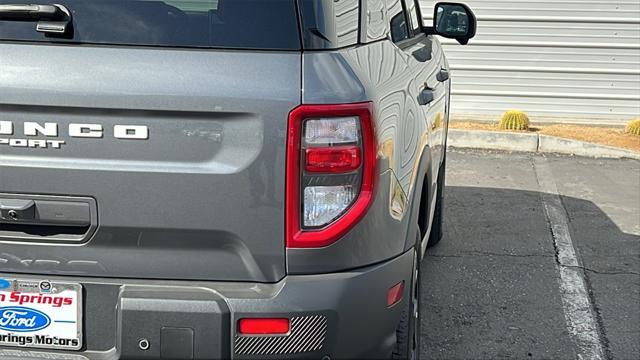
x=423, y=171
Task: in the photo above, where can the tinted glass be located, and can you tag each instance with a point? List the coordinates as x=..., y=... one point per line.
x=399, y=28
x=244, y=24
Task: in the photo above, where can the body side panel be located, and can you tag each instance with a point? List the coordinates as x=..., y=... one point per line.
x=386, y=75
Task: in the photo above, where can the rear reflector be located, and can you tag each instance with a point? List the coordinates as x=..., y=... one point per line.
x=263, y=326
x=394, y=295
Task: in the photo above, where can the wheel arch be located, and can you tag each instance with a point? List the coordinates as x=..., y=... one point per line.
x=423, y=178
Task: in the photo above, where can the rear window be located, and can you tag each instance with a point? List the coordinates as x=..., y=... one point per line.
x=238, y=24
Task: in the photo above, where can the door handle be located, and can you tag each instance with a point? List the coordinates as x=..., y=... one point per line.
x=426, y=96
x=443, y=75
x=422, y=55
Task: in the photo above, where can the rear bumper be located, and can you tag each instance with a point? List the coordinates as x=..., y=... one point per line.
x=340, y=315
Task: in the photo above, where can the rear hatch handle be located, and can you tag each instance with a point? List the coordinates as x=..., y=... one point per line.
x=44, y=212
x=53, y=19
x=17, y=209
x=43, y=218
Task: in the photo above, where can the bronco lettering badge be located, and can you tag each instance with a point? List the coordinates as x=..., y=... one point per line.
x=50, y=135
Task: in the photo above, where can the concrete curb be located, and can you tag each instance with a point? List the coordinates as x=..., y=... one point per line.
x=524, y=142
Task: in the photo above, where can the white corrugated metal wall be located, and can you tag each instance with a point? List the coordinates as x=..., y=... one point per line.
x=567, y=60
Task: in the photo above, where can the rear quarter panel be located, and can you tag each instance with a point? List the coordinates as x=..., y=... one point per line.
x=381, y=73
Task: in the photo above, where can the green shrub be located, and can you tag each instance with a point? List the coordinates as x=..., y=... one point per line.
x=633, y=127
x=514, y=120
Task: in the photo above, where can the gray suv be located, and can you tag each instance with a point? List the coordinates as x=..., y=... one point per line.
x=208, y=179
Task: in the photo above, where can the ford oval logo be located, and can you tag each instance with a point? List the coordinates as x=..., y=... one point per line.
x=21, y=319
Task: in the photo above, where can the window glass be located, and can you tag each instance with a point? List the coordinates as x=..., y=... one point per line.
x=399, y=26
x=413, y=13
x=244, y=24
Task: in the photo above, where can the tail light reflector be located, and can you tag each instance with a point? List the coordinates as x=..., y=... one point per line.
x=263, y=326
x=331, y=172
x=394, y=295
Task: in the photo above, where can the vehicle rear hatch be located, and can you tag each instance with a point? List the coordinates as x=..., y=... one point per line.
x=164, y=122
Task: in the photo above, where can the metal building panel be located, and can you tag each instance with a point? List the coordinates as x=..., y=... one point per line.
x=557, y=60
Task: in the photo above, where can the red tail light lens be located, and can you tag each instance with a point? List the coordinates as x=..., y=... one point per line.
x=333, y=159
x=331, y=172
x=260, y=326
x=394, y=294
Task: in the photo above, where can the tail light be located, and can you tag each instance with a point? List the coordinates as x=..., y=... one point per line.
x=331, y=172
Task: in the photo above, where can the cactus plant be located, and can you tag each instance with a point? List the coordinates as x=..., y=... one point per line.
x=633, y=127
x=438, y=121
x=514, y=120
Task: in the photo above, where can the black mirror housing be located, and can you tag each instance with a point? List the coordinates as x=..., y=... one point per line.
x=454, y=21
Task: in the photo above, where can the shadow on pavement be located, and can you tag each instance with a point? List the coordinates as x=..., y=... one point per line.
x=490, y=288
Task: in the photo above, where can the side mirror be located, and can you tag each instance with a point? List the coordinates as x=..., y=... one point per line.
x=454, y=21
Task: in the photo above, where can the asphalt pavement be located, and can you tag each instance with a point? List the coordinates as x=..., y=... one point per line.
x=495, y=286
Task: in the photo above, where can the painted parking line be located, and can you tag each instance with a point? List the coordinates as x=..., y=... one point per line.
x=577, y=306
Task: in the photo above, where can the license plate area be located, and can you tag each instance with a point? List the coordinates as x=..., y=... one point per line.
x=40, y=314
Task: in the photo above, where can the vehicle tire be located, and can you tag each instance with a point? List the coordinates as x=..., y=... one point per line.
x=438, y=215
x=408, y=331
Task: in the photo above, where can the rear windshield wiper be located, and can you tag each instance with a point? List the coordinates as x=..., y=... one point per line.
x=52, y=19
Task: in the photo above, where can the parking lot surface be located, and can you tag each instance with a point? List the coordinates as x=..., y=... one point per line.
x=496, y=286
